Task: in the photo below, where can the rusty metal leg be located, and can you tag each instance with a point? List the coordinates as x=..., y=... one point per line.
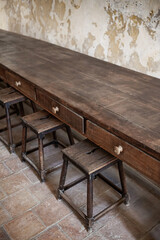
x=90, y=201
x=123, y=182
x=21, y=109
x=70, y=136
x=55, y=139
x=63, y=176
x=41, y=158
x=10, y=137
x=24, y=141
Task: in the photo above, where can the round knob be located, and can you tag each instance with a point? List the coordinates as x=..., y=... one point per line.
x=18, y=83
x=118, y=149
x=55, y=109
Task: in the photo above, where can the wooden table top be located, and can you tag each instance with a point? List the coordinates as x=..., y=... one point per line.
x=124, y=102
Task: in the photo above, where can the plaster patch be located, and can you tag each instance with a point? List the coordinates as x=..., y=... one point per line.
x=60, y=9
x=135, y=61
x=76, y=3
x=88, y=43
x=99, y=52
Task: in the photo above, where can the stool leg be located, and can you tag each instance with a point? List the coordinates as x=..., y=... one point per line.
x=71, y=140
x=90, y=201
x=55, y=138
x=41, y=158
x=21, y=109
x=34, y=108
x=123, y=182
x=24, y=141
x=10, y=137
x=63, y=176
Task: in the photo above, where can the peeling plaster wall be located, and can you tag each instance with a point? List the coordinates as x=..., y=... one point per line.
x=123, y=32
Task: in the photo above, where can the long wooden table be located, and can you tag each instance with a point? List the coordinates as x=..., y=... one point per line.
x=114, y=107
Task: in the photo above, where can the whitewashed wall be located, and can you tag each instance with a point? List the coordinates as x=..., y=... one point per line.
x=119, y=31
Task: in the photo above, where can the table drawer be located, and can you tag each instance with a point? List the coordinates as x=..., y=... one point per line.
x=21, y=85
x=60, y=111
x=2, y=73
x=126, y=152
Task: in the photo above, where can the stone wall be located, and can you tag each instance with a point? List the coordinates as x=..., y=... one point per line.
x=123, y=32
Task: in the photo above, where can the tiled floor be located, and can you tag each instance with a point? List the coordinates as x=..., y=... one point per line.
x=29, y=209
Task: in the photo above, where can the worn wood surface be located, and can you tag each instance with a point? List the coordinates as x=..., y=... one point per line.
x=10, y=96
x=88, y=157
x=123, y=102
x=42, y=122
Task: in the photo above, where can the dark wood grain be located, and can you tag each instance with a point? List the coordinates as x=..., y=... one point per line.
x=2, y=73
x=21, y=85
x=88, y=156
x=65, y=114
x=130, y=154
x=123, y=102
x=10, y=96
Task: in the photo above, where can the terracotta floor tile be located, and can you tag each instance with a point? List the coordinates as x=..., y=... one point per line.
x=73, y=173
x=4, y=216
x=52, y=180
x=54, y=177
x=120, y=228
x=24, y=227
x=2, y=195
x=4, y=171
x=3, y=235
x=135, y=191
x=15, y=164
x=49, y=152
x=14, y=183
x=19, y=202
x=96, y=236
x=154, y=234
x=100, y=202
x=73, y=227
x=4, y=152
x=31, y=174
x=51, y=211
x=101, y=222
x=99, y=186
x=16, y=133
x=41, y=191
x=112, y=174
x=78, y=193
x=144, y=212
x=53, y=233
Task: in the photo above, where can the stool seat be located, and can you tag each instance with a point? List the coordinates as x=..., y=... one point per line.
x=88, y=157
x=10, y=96
x=42, y=122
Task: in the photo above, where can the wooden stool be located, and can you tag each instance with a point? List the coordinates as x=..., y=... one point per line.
x=42, y=123
x=10, y=97
x=91, y=160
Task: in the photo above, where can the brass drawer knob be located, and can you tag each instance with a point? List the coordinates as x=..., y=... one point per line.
x=55, y=109
x=118, y=149
x=18, y=83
